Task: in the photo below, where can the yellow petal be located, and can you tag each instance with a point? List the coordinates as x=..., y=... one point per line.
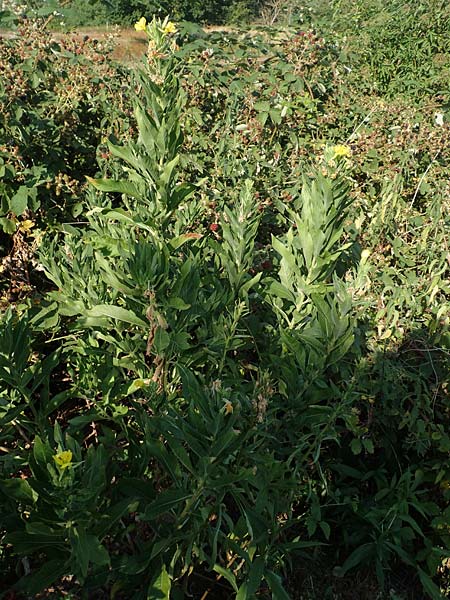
x=141, y=25
x=170, y=28
x=341, y=150
x=63, y=459
x=26, y=225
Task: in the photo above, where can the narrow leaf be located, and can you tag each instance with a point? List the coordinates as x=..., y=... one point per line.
x=116, y=312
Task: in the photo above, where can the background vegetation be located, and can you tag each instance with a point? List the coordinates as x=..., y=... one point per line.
x=224, y=355
x=122, y=12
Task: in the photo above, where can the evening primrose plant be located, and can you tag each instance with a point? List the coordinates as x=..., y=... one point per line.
x=337, y=156
x=165, y=27
x=54, y=509
x=152, y=162
x=161, y=40
x=63, y=460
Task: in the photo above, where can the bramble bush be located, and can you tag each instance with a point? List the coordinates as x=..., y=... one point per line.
x=81, y=13
x=55, y=109
x=396, y=48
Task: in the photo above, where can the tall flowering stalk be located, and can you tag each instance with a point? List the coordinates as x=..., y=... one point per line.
x=153, y=158
x=161, y=46
x=152, y=191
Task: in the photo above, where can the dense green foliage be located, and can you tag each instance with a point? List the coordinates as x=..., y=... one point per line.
x=224, y=358
x=125, y=12
x=405, y=46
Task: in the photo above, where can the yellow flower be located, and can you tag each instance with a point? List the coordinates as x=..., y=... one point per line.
x=63, y=460
x=26, y=225
x=169, y=28
x=228, y=408
x=341, y=150
x=141, y=25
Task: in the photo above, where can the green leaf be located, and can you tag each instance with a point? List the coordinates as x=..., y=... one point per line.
x=228, y=575
x=180, y=193
x=97, y=552
x=27, y=543
x=86, y=548
x=166, y=501
x=297, y=545
x=326, y=529
x=158, y=450
x=159, y=589
x=280, y=291
x=255, y=576
x=181, y=454
x=122, y=187
x=356, y=446
x=178, y=303
x=42, y=453
x=168, y=170
x=116, y=312
x=8, y=225
x=429, y=586
x=357, y=557
x=114, y=514
x=276, y=587
x=123, y=216
x=368, y=445
x=80, y=549
x=44, y=577
x=249, y=284
x=262, y=106
x=262, y=117
x=243, y=593
x=311, y=525
x=178, y=241
x=275, y=115
x=19, y=201
x=18, y=489
x=161, y=340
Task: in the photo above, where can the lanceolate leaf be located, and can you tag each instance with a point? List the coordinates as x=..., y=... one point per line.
x=160, y=588
x=116, y=312
x=41, y=579
x=276, y=587
x=121, y=187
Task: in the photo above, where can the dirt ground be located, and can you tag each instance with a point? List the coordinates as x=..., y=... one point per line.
x=129, y=43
